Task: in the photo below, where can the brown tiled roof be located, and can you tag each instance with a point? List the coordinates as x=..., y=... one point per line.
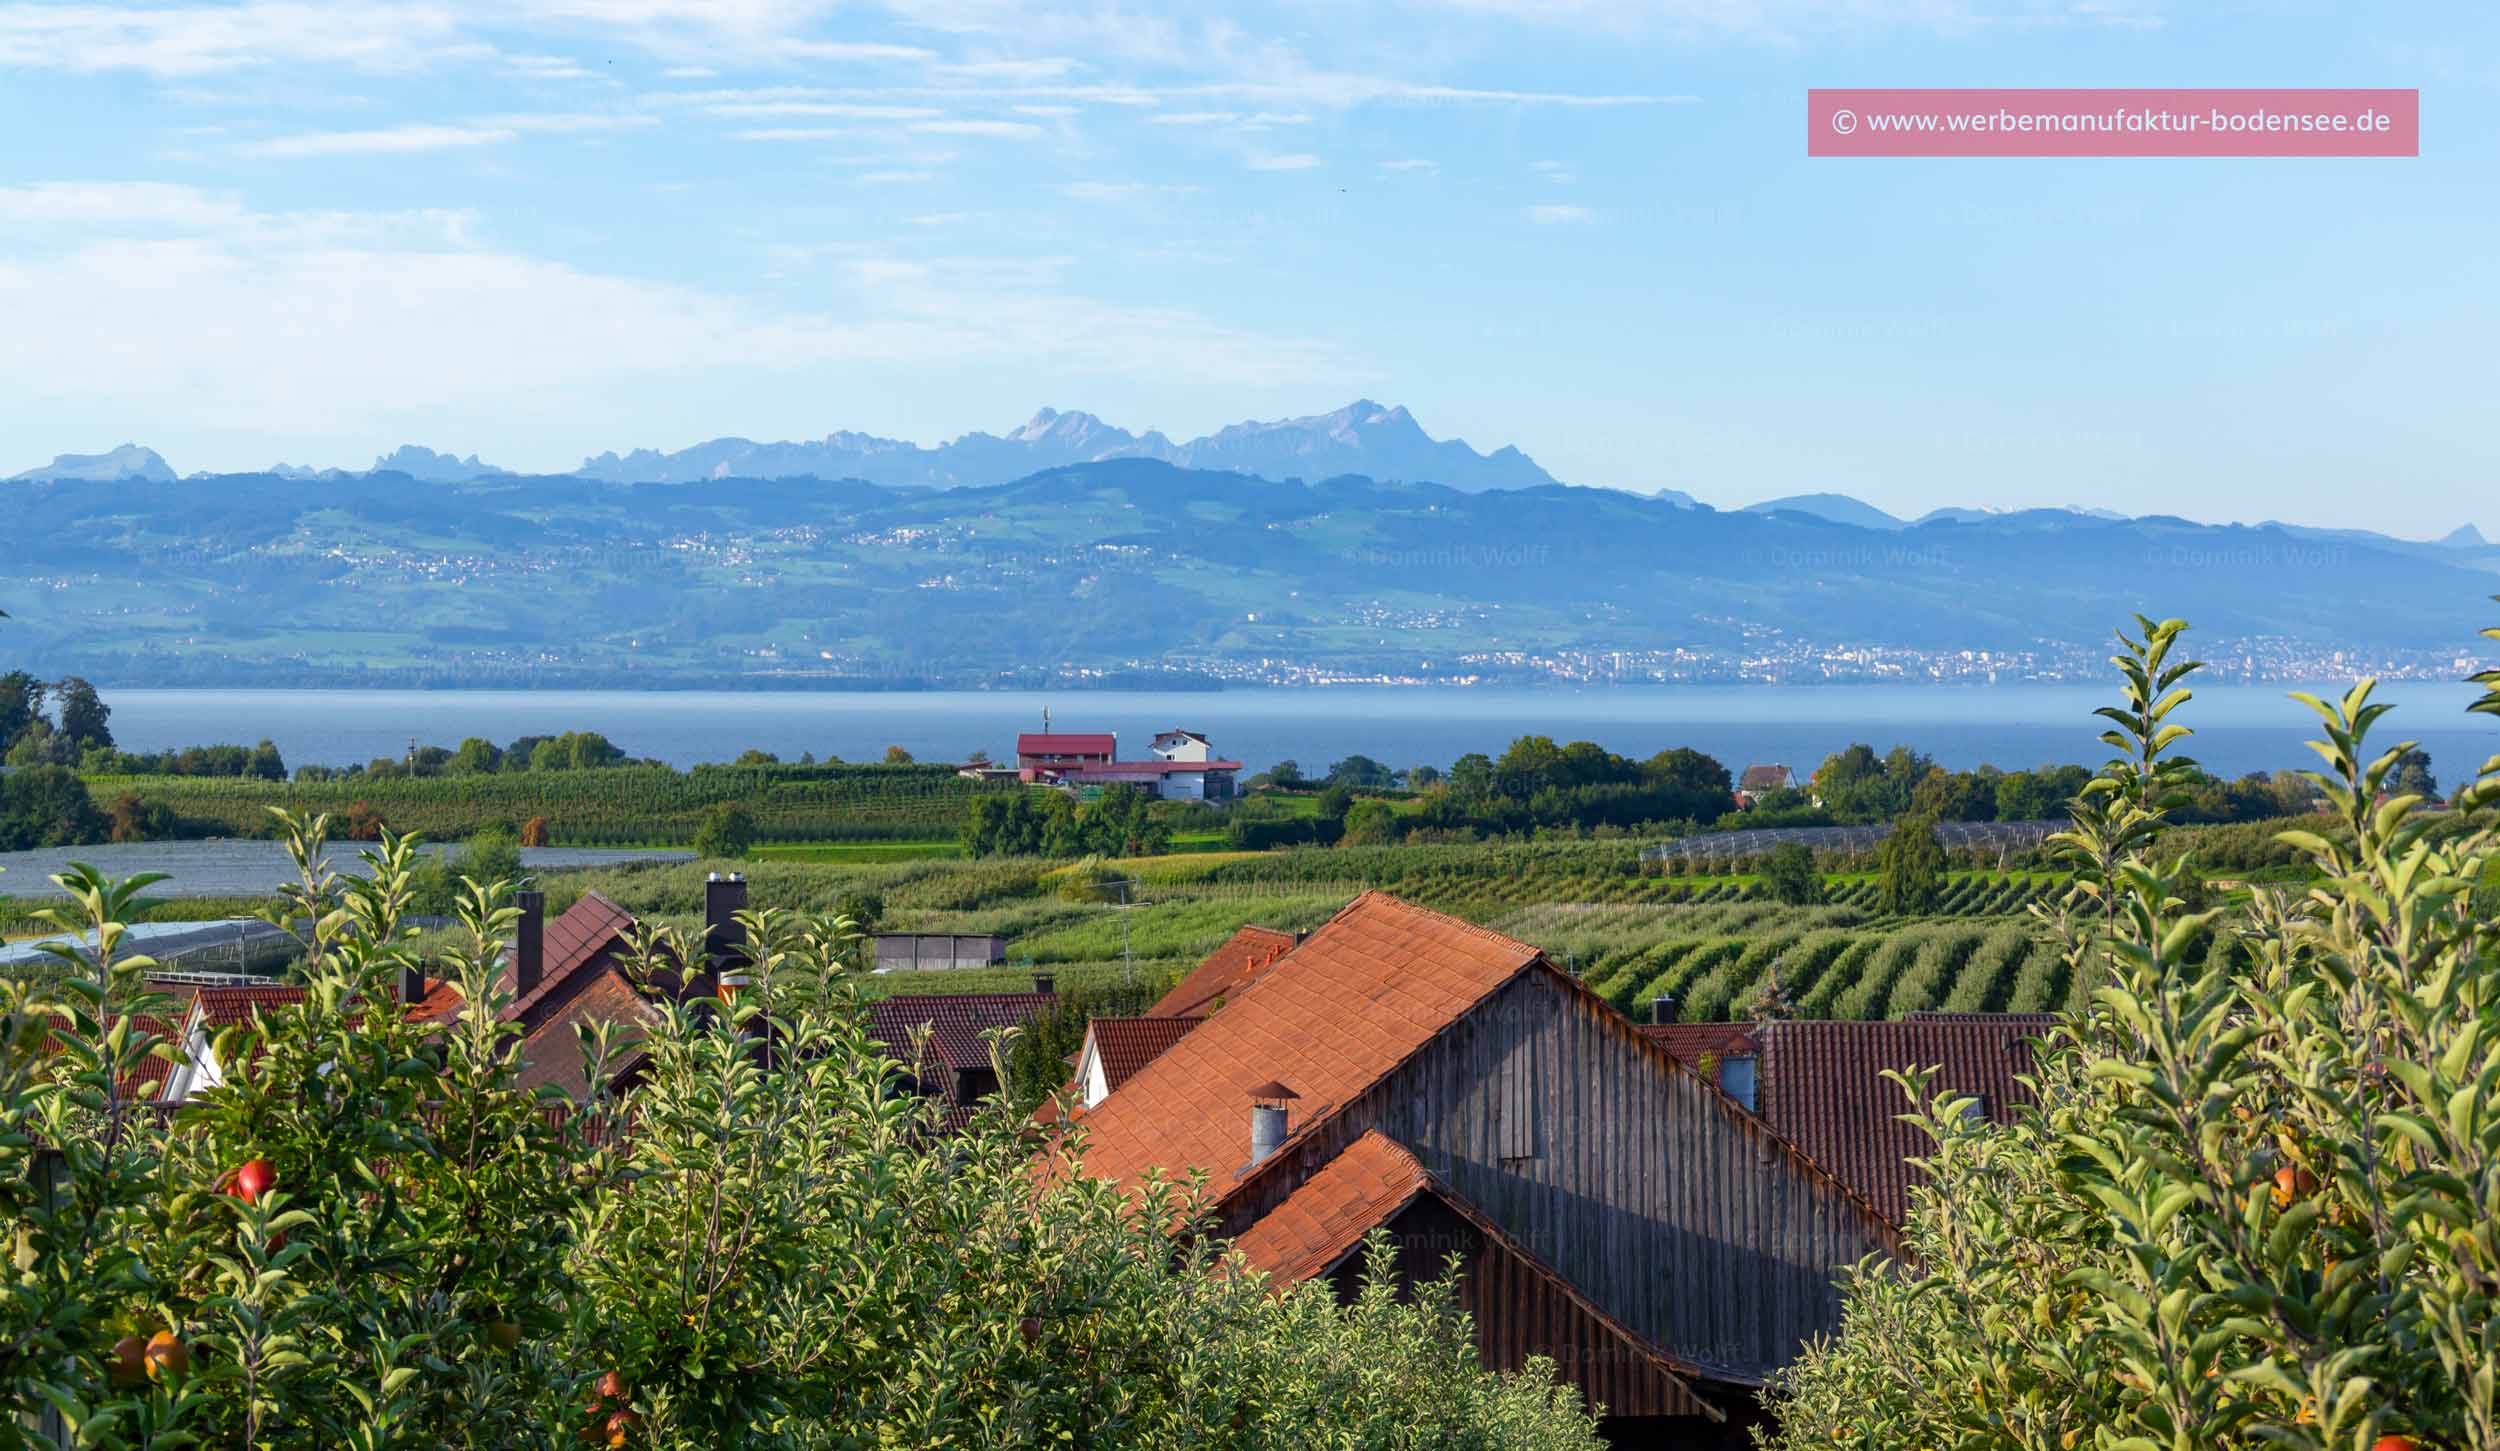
x=1763, y=778
x=1125, y=1045
x=571, y=942
x=1692, y=1042
x=1359, y=997
x=1822, y=1087
x=552, y=1052
x=955, y=1021
x=1231, y=967
x=1322, y=1221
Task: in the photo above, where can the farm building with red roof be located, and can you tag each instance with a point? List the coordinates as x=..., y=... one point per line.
x=1612, y=1210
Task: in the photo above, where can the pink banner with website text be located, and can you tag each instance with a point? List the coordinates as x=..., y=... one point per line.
x=2113, y=123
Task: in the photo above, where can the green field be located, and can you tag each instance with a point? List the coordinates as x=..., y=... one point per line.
x=1709, y=941
x=607, y=806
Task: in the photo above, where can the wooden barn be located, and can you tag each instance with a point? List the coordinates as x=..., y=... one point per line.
x=1406, y=1071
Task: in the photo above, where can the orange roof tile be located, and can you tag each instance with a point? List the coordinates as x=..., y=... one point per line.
x=1231, y=967
x=1126, y=1045
x=1321, y=1222
x=1692, y=1042
x=1356, y=999
x=223, y=1007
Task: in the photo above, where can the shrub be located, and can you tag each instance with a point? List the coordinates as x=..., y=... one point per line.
x=727, y=832
x=370, y=1236
x=2255, y=1203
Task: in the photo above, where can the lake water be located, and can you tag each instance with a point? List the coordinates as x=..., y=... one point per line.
x=2240, y=727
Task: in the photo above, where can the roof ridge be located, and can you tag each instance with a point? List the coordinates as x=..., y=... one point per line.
x=1461, y=923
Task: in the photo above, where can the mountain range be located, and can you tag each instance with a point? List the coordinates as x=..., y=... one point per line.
x=1361, y=438
x=1137, y=570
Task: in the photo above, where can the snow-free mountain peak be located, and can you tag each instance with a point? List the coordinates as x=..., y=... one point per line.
x=1363, y=437
x=129, y=461
x=1838, y=508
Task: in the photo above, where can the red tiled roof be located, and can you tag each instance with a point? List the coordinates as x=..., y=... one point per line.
x=955, y=1021
x=1323, y=1220
x=1065, y=744
x=442, y=1002
x=1227, y=970
x=552, y=1053
x=1126, y=1045
x=1822, y=1088
x=1692, y=1042
x=1359, y=997
x=146, y=1078
x=218, y=1008
x=571, y=941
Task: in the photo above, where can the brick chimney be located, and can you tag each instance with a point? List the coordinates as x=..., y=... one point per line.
x=1269, y=1122
x=724, y=940
x=529, y=943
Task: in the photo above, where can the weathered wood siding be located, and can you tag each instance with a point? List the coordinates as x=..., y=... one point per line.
x=1684, y=1220
x=1520, y=1315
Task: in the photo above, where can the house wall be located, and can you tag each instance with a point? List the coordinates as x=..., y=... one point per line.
x=1684, y=1220
x=1520, y=1314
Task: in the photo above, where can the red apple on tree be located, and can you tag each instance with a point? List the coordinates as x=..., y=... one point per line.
x=165, y=1355
x=130, y=1360
x=253, y=1179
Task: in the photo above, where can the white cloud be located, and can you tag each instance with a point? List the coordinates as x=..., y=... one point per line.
x=839, y=50
x=191, y=40
x=1408, y=164
x=1011, y=71
x=1049, y=111
x=1008, y=130
x=256, y=324
x=1194, y=118
x=853, y=110
x=546, y=67
x=897, y=178
x=388, y=141
x=1295, y=162
x=571, y=123
x=689, y=72
x=432, y=136
x=146, y=205
x=1552, y=215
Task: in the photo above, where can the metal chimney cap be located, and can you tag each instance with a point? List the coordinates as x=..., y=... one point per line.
x=1273, y=1089
x=711, y=876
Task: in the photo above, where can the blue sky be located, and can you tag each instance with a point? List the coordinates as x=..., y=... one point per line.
x=537, y=229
